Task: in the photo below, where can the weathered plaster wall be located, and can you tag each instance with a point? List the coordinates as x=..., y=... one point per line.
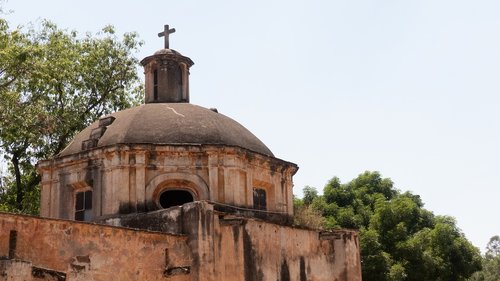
x=230, y=246
x=246, y=249
x=205, y=244
x=84, y=251
x=15, y=270
x=263, y=251
x=124, y=179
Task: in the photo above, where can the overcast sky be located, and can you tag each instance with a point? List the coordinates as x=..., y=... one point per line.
x=407, y=88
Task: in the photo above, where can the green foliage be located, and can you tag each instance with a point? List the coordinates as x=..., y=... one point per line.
x=310, y=193
x=53, y=83
x=493, y=247
x=491, y=262
x=397, y=272
x=399, y=239
x=306, y=215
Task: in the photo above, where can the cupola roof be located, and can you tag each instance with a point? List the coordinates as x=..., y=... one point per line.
x=166, y=124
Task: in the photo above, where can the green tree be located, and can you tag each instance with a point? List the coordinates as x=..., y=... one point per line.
x=310, y=193
x=305, y=214
x=53, y=83
x=491, y=262
x=493, y=247
x=399, y=239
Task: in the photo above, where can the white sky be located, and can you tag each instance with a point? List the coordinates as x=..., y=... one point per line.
x=407, y=88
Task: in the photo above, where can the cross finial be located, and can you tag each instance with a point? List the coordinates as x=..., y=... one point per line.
x=166, y=32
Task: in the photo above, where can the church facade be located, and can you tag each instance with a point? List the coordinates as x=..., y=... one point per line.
x=169, y=191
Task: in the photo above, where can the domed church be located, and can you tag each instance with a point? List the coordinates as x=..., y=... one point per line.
x=164, y=153
x=169, y=190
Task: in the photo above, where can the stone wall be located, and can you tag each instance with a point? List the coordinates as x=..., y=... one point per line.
x=255, y=251
x=195, y=242
x=232, y=246
x=34, y=248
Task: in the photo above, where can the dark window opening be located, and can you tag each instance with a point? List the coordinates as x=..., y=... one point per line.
x=178, y=78
x=259, y=199
x=12, y=244
x=83, y=206
x=171, y=198
x=155, y=84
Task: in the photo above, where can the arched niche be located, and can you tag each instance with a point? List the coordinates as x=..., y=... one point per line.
x=191, y=183
x=171, y=197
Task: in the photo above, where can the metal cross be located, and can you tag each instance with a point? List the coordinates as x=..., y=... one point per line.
x=166, y=32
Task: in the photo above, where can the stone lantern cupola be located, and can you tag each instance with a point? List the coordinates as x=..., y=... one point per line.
x=167, y=74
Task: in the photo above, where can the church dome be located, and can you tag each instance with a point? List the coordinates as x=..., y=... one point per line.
x=167, y=117
x=168, y=124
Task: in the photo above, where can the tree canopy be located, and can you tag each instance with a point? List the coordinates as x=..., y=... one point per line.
x=399, y=239
x=53, y=83
x=491, y=262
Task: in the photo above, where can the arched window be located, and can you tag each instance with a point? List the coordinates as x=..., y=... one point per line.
x=259, y=199
x=174, y=189
x=155, y=84
x=175, y=197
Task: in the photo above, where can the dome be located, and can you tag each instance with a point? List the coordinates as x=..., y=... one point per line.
x=167, y=52
x=169, y=124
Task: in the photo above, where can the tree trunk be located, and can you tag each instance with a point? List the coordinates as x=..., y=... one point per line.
x=19, y=188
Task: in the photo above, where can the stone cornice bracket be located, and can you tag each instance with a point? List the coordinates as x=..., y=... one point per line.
x=97, y=133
